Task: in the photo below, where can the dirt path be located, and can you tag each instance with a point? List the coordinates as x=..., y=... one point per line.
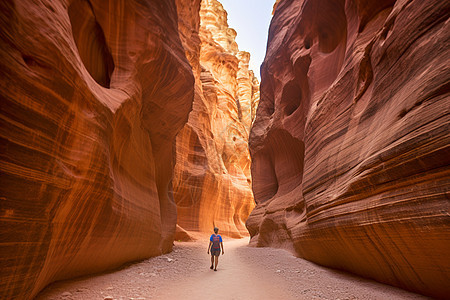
x=235, y=279
x=243, y=273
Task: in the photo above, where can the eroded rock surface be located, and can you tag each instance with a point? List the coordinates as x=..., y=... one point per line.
x=212, y=183
x=93, y=94
x=350, y=146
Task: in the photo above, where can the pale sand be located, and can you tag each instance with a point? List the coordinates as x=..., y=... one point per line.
x=243, y=273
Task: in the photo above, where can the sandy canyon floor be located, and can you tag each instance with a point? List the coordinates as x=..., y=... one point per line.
x=243, y=273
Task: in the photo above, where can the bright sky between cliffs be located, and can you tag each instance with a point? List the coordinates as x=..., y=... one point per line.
x=250, y=19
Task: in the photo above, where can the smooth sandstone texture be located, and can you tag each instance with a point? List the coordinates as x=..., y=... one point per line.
x=212, y=183
x=92, y=97
x=350, y=146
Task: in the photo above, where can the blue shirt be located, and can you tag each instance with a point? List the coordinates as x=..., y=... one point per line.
x=216, y=239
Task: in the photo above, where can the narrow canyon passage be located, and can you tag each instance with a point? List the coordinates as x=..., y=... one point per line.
x=243, y=273
x=127, y=125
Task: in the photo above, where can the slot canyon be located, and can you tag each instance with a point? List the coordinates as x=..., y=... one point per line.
x=131, y=128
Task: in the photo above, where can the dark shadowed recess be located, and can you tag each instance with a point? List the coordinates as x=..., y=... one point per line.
x=91, y=42
x=279, y=166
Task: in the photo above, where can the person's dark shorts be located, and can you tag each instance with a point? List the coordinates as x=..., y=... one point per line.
x=215, y=252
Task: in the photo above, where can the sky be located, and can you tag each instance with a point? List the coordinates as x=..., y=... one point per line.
x=251, y=20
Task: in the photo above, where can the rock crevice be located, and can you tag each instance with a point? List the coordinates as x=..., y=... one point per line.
x=212, y=183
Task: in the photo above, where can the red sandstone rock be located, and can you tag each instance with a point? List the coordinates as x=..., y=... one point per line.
x=212, y=184
x=182, y=235
x=350, y=146
x=93, y=94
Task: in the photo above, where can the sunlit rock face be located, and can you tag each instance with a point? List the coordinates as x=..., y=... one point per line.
x=350, y=146
x=212, y=183
x=92, y=97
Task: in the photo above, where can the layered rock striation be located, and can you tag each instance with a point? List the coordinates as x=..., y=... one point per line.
x=212, y=182
x=350, y=146
x=93, y=94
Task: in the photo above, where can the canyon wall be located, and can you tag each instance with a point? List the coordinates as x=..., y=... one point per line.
x=93, y=94
x=350, y=146
x=212, y=183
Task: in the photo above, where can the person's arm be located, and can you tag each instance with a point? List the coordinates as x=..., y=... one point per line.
x=221, y=244
x=209, y=247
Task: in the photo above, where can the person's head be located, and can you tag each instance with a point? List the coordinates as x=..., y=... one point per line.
x=216, y=230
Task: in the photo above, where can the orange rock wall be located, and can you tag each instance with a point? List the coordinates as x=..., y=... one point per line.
x=93, y=94
x=350, y=146
x=212, y=184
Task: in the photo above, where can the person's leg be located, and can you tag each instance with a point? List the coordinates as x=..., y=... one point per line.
x=212, y=261
x=217, y=261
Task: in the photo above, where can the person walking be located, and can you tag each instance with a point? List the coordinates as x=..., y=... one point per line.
x=215, y=244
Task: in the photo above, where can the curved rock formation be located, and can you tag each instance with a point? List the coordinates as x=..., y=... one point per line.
x=350, y=146
x=212, y=184
x=93, y=95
